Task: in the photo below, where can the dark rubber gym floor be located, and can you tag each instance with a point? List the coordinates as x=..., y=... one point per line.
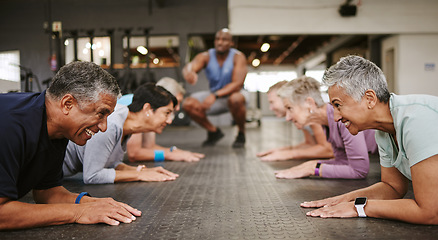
x=230, y=194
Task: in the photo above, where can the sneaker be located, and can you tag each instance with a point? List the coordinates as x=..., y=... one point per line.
x=240, y=140
x=213, y=138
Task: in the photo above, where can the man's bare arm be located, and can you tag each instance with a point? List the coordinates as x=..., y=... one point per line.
x=18, y=215
x=190, y=71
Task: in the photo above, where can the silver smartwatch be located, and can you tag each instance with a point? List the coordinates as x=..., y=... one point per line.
x=360, y=203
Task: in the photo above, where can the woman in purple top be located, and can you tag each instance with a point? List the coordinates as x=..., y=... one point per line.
x=305, y=106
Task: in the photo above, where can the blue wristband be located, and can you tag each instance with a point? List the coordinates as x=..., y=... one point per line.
x=78, y=199
x=158, y=155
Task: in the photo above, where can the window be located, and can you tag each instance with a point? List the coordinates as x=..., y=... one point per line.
x=261, y=81
x=162, y=52
x=10, y=66
x=10, y=71
x=101, y=48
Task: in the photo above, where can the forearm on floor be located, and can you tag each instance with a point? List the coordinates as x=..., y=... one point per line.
x=377, y=191
x=148, y=154
x=127, y=176
x=406, y=210
x=342, y=171
x=125, y=167
x=54, y=195
x=311, y=152
x=18, y=215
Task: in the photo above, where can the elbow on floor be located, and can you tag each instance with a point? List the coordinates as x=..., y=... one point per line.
x=429, y=217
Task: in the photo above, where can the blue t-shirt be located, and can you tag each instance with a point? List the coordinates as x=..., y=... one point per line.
x=219, y=76
x=28, y=158
x=415, y=121
x=126, y=99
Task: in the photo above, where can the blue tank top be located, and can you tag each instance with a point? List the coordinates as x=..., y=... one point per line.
x=219, y=76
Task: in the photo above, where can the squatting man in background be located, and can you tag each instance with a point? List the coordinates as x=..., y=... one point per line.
x=226, y=70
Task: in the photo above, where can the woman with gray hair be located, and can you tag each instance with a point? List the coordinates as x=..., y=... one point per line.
x=407, y=140
x=304, y=104
x=315, y=143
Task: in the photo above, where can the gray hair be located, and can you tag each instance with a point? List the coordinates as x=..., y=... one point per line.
x=171, y=85
x=277, y=86
x=356, y=75
x=84, y=80
x=297, y=90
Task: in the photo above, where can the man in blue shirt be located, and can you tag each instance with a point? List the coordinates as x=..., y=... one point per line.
x=226, y=70
x=35, y=129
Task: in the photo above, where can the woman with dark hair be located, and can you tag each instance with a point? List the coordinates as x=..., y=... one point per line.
x=143, y=146
x=101, y=158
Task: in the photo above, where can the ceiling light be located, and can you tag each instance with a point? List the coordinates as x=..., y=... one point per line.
x=255, y=62
x=156, y=60
x=265, y=47
x=142, y=50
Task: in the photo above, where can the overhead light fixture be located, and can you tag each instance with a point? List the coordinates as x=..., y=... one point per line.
x=142, y=50
x=255, y=62
x=265, y=47
x=156, y=60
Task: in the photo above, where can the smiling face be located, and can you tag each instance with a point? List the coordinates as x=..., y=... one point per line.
x=89, y=118
x=161, y=117
x=276, y=104
x=347, y=110
x=296, y=113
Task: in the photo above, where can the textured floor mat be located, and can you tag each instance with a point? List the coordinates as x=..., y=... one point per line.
x=230, y=194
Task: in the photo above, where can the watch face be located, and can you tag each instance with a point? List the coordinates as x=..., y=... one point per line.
x=360, y=201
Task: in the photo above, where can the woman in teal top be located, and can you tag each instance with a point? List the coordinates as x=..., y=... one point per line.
x=407, y=137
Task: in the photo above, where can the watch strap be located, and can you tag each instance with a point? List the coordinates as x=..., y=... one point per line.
x=318, y=165
x=360, y=204
x=360, y=210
